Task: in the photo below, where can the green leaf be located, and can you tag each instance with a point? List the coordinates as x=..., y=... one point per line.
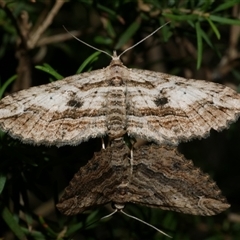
x=214, y=28
x=6, y=84
x=166, y=32
x=12, y=224
x=131, y=30
x=106, y=9
x=224, y=20
x=92, y=58
x=46, y=227
x=225, y=5
x=91, y=220
x=3, y=179
x=199, y=44
x=103, y=40
x=181, y=17
x=206, y=38
x=191, y=23
x=36, y=235
x=110, y=29
x=47, y=68
x=73, y=228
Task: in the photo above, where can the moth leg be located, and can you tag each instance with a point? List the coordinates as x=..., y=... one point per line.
x=131, y=161
x=103, y=144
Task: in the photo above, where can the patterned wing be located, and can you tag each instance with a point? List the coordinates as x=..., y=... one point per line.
x=64, y=112
x=163, y=178
x=157, y=177
x=93, y=184
x=170, y=109
x=117, y=100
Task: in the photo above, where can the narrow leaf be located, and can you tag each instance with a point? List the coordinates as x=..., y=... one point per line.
x=180, y=17
x=3, y=179
x=101, y=40
x=6, y=84
x=106, y=9
x=92, y=58
x=110, y=29
x=206, y=38
x=46, y=227
x=73, y=228
x=214, y=28
x=225, y=5
x=12, y=224
x=199, y=44
x=224, y=20
x=47, y=68
x=132, y=29
x=33, y=234
x=165, y=31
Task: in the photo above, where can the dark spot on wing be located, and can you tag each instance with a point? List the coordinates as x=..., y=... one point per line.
x=176, y=166
x=181, y=84
x=161, y=101
x=55, y=87
x=74, y=103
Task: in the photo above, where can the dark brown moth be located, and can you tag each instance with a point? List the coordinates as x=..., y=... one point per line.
x=156, y=176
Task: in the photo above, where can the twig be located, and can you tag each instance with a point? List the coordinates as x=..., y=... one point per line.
x=56, y=38
x=28, y=40
x=15, y=23
x=231, y=58
x=34, y=38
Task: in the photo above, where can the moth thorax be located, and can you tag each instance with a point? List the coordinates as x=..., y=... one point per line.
x=118, y=206
x=122, y=191
x=116, y=133
x=116, y=81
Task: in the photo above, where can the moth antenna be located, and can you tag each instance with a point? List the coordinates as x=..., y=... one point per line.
x=143, y=39
x=148, y=224
x=109, y=215
x=81, y=41
x=119, y=208
x=97, y=49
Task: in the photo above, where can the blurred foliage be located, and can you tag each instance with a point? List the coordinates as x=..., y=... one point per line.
x=201, y=41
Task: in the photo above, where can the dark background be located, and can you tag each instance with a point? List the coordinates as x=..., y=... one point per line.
x=201, y=42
